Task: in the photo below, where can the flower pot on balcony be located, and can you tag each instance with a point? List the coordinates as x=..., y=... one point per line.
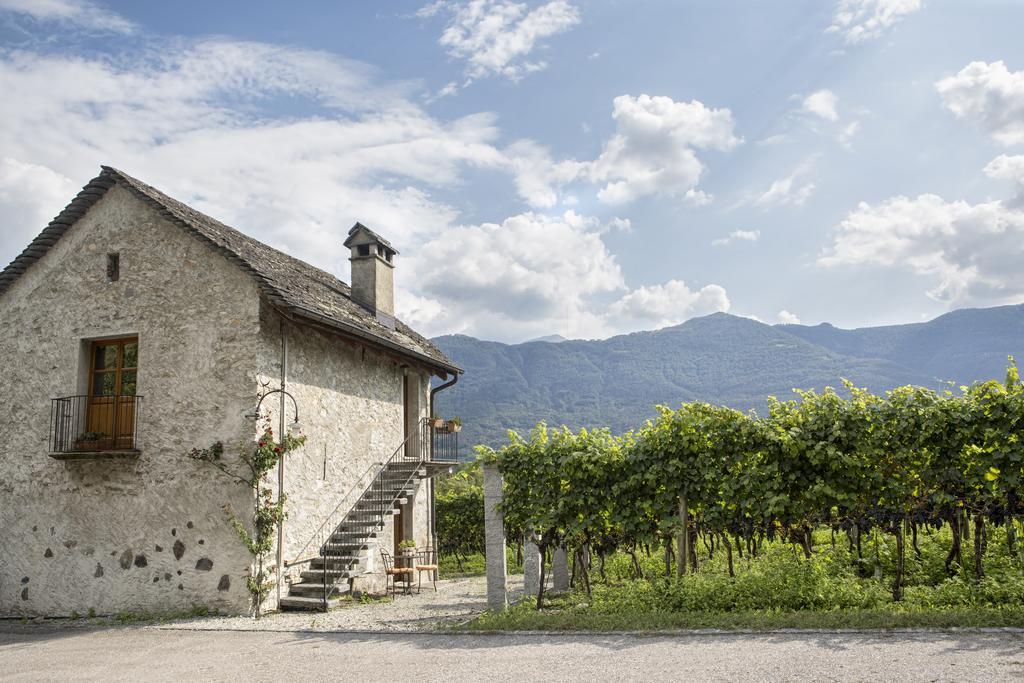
x=453, y=426
x=437, y=423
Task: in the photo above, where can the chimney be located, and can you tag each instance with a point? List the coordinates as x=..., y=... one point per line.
x=373, y=266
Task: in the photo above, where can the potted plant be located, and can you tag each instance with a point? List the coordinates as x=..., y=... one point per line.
x=89, y=441
x=407, y=547
x=454, y=424
x=436, y=422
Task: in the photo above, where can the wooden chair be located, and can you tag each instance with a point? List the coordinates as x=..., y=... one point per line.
x=426, y=561
x=391, y=573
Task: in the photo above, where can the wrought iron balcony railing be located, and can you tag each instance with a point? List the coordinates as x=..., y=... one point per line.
x=91, y=424
x=444, y=442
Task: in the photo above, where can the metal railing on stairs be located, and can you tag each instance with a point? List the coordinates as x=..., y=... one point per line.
x=353, y=522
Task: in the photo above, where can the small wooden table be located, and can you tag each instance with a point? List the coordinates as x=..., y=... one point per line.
x=406, y=561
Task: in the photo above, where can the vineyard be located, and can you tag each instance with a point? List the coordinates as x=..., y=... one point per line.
x=913, y=478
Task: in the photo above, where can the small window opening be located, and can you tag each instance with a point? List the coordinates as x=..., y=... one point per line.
x=364, y=249
x=380, y=250
x=113, y=267
x=388, y=254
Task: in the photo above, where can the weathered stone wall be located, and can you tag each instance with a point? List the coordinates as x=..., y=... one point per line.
x=351, y=406
x=145, y=534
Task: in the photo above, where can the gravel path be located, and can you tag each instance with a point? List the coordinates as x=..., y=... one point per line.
x=456, y=600
x=157, y=655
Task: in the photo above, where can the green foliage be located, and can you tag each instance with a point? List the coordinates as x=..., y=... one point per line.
x=268, y=514
x=912, y=461
x=459, y=506
x=781, y=589
x=719, y=359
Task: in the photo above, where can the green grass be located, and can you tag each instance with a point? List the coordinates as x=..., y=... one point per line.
x=782, y=589
x=473, y=565
x=526, y=618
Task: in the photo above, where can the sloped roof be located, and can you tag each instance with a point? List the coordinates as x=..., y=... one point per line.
x=360, y=228
x=298, y=288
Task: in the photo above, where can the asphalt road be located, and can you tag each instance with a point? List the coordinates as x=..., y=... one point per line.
x=152, y=654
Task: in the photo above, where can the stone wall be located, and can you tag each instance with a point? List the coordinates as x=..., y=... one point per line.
x=351, y=407
x=129, y=535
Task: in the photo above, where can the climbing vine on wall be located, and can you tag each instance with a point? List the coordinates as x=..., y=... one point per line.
x=257, y=461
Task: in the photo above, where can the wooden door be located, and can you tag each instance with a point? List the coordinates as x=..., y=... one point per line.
x=110, y=413
x=405, y=417
x=399, y=529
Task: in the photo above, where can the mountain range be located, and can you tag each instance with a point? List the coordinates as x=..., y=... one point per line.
x=719, y=358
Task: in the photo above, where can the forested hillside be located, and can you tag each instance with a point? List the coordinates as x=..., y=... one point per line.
x=720, y=358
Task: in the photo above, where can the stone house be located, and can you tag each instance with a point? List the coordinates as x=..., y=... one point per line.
x=135, y=329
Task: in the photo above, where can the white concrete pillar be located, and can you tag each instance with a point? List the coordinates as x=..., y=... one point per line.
x=560, y=569
x=531, y=566
x=494, y=539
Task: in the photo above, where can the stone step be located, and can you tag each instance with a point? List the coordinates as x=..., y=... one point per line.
x=360, y=528
x=355, y=536
x=313, y=576
x=313, y=590
x=335, y=562
x=350, y=547
x=373, y=505
x=299, y=602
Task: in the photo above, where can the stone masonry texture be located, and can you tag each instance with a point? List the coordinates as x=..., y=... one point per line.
x=150, y=533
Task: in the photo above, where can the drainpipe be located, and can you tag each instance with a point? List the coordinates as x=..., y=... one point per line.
x=280, y=461
x=430, y=488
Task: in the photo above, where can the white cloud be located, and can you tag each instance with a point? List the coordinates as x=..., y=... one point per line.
x=847, y=133
x=81, y=13
x=534, y=273
x=787, y=318
x=449, y=89
x=668, y=304
x=971, y=252
x=862, y=20
x=364, y=151
x=537, y=176
x=788, y=191
x=773, y=140
x=30, y=195
x=194, y=121
x=1006, y=167
x=990, y=94
x=822, y=103
x=737, y=236
x=653, y=152
x=432, y=9
x=654, y=149
x=495, y=37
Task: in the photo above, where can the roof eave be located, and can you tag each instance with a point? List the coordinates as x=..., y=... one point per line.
x=356, y=331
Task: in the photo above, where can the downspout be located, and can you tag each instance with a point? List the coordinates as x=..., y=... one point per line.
x=280, y=461
x=433, y=512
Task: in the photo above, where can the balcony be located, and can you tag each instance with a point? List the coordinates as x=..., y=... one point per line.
x=444, y=441
x=93, y=427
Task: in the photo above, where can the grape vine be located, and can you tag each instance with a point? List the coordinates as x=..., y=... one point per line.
x=852, y=462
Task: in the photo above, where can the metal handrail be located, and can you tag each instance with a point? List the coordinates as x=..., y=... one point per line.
x=382, y=503
x=317, y=534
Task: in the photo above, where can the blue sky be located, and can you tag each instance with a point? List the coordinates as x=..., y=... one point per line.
x=578, y=167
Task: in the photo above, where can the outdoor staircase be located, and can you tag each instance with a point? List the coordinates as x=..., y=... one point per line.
x=344, y=547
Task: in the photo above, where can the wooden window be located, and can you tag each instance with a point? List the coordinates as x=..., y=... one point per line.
x=113, y=373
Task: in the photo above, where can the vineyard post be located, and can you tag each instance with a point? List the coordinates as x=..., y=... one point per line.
x=683, y=556
x=560, y=568
x=494, y=538
x=531, y=564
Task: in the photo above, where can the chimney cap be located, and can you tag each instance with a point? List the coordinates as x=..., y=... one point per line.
x=360, y=234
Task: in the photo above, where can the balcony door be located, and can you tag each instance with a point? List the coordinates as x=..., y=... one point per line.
x=110, y=417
